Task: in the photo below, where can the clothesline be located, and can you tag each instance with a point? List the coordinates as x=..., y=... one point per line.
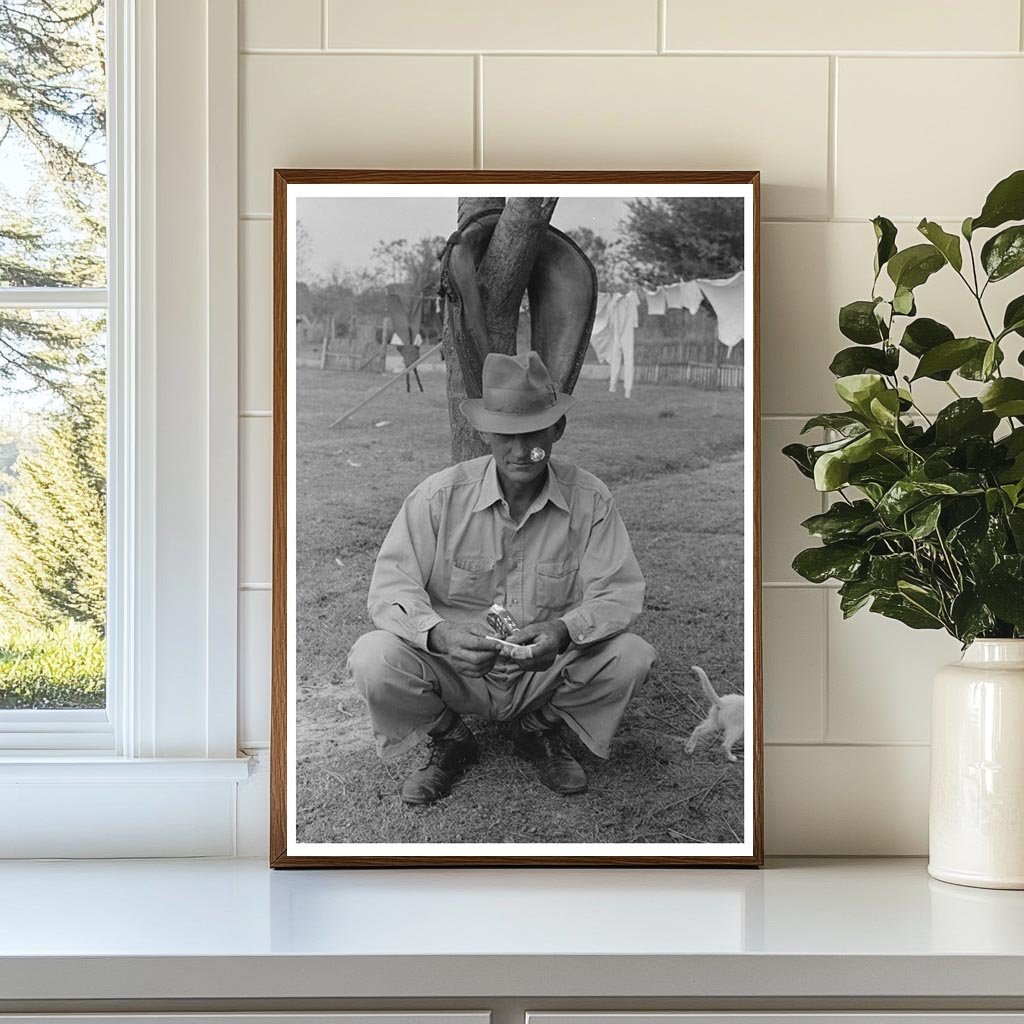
x=724, y=295
x=616, y=318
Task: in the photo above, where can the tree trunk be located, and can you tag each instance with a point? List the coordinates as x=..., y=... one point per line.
x=466, y=442
x=502, y=276
x=508, y=263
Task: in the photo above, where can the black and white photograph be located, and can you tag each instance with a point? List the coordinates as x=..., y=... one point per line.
x=516, y=567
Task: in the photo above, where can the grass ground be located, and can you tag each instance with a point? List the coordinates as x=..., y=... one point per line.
x=672, y=456
x=60, y=667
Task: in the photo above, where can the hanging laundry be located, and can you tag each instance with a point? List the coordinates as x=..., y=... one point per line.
x=726, y=299
x=655, y=301
x=624, y=322
x=601, y=333
x=684, y=295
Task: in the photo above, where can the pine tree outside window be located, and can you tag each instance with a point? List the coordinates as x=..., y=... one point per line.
x=53, y=369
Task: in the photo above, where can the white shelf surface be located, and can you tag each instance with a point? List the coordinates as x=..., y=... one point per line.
x=233, y=929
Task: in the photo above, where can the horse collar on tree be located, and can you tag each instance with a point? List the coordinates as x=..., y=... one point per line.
x=484, y=285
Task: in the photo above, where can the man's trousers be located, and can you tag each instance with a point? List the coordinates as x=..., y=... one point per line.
x=409, y=691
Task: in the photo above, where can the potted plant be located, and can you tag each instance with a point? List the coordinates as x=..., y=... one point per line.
x=927, y=521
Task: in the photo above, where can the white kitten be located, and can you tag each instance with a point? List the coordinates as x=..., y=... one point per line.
x=726, y=714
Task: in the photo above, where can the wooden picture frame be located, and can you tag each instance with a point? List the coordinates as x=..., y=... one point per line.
x=343, y=815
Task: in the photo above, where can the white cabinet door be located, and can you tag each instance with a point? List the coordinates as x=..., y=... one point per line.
x=933, y=1017
x=362, y=1017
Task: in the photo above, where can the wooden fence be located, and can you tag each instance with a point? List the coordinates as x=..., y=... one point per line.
x=703, y=364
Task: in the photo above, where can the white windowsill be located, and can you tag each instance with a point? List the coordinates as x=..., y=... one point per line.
x=194, y=930
x=77, y=766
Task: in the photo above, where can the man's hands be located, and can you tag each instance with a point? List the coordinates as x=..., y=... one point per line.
x=549, y=639
x=465, y=645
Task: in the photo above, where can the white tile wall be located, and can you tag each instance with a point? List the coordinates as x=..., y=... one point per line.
x=332, y=110
x=255, y=508
x=921, y=121
x=874, y=25
x=256, y=306
x=961, y=130
x=795, y=638
x=261, y=25
x=471, y=25
x=697, y=113
x=253, y=667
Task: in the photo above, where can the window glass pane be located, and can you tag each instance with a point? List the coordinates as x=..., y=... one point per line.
x=52, y=509
x=53, y=148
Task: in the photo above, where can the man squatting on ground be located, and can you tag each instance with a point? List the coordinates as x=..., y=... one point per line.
x=544, y=539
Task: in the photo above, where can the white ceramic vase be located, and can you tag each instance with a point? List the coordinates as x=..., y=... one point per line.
x=976, y=814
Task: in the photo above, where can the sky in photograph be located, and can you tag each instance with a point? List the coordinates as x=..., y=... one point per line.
x=343, y=231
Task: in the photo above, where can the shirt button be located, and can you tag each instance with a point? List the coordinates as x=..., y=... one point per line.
x=515, y=565
x=579, y=636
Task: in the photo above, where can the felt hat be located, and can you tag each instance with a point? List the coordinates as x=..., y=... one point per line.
x=518, y=396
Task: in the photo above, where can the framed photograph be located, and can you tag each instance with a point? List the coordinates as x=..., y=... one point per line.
x=516, y=553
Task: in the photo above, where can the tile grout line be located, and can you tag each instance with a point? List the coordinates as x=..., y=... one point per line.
x=833, y=134
x=825, y=710
x=847, y=744
x=478, y=111
x=260, y=51
x=662, y=29
x=323, y=24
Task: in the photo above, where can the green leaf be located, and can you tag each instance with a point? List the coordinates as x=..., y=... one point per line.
x=990, y=360
x=912, y=267
x=1013, y=316
x=857, y=321
x=799, y=455
x=849, y=361
x=925, y=518
x=841, y=421
x=966, y=417
x=1003, y=254
x=965, y=229
x=900, y=609
x=950, y=355
x=885, y=237
x=974, y=368
x=947, y=244
x=831, y=471
x=887, y=570
x=842, y=521
x=1004, y=397
x=903, y=302
x=1005, y=202
x=925, y=334
x=855, y=594
x=863, y=447
x=840, y=561
x=885, y=409
x=970, y=617
x=858, y=389
x=1006, y=598
x=904, y=495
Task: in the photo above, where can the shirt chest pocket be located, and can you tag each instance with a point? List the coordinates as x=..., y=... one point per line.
x=556, y=585
x=471, y=584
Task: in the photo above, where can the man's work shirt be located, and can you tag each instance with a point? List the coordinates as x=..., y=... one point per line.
x=454, y=550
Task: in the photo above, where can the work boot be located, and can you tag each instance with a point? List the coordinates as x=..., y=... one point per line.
x=556, y=767
x=450, y=753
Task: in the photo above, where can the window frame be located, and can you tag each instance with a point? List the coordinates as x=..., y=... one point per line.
x=173, y=433
x=91, y=729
